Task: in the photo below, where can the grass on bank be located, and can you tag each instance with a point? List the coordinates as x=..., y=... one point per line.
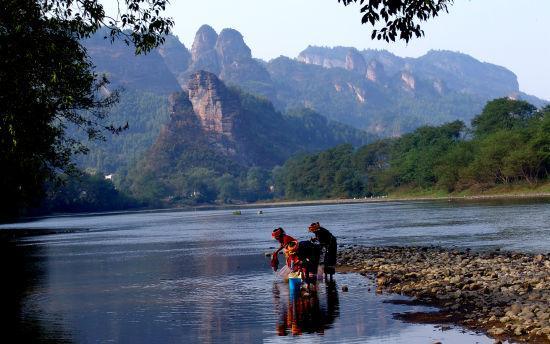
x=516, y=189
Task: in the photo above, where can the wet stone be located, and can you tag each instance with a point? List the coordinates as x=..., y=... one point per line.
x=505, y=294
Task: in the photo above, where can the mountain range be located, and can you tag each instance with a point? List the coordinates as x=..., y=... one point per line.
x=373, y=90
x=218, y=134
x=258, y=113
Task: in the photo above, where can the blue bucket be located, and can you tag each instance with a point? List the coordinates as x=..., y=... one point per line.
x=294, y=284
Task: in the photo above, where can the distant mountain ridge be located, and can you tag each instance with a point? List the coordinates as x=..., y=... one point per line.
x=370, y=89
x=457, y=71
x=373, y=90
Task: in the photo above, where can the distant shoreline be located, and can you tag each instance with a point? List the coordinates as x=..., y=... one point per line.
x=286, y=203
x=396, y=199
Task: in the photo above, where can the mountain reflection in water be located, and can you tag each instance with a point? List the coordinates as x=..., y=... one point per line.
x=305, y=314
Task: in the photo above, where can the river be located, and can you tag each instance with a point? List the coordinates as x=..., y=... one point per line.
x=201, y=276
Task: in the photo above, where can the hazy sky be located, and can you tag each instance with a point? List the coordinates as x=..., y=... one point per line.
x=511, y=33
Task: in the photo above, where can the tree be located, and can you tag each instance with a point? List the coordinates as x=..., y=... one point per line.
x=228, y=189
x=48, y=84
x=415, y=155
x=401, y=18
x=138, y=22
x=540, y=140
x=502, y=114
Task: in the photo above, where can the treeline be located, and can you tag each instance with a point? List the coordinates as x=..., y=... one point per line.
x=509, y=142
x=199, y=185
x=82, y=191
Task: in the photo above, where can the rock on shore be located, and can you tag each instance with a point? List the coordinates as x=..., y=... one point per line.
x=505, y=294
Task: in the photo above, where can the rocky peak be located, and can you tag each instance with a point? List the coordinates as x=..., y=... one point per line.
x=355, y=62
x=203, y=53
x=409, y=83
x=439, y=86
x=215, y=108
x=375, y=71
x=322, y=56
x=205, y=40
x=231, y=47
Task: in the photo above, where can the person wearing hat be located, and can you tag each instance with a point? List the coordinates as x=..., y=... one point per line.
x=328, y=248
x=283, y=239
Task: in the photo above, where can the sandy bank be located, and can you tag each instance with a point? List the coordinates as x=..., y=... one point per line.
x=506, y=295
x=511, y=196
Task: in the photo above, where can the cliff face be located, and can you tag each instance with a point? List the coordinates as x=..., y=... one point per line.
x=216, y=109
x=375, y=71
x=200, y=131
x=355, y=62
x=227, y=56
x=231, y=48
x=212, y=125
x=368, y=89
x=203, y=53
x=459, y=72
x=318, y=56
x=208, y=127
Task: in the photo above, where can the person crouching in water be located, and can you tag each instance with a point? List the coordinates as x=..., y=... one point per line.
x=283, y=239
x=303, y=257
x=328, y=248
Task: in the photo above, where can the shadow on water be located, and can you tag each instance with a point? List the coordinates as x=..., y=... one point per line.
x=23, y=275
x=305, y=314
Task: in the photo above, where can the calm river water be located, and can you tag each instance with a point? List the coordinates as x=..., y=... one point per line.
x=184, y=277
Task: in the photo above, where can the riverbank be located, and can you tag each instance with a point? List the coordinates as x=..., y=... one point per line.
x=402, y=198
x=399, y=197
x=500, y=192
x=503, y=294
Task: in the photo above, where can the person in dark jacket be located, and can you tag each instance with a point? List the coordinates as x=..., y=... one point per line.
x=303, y=257
x=328, y=248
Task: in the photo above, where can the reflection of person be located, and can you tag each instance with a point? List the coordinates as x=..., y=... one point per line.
x=332, y=305
x=305, y=314
x=303, y=257
x=283, y=239
x=328, y=248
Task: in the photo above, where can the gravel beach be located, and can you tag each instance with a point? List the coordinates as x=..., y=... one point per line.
x=505, y=294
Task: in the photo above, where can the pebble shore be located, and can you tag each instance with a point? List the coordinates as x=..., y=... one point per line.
x=504, y=294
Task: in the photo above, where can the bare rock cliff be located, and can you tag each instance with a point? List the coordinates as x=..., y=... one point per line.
x=231, y=47
x=375, y=71
x=215, y=109
x=355, y=62
x=203, y=53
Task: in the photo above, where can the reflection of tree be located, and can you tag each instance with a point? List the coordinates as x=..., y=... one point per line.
x=23, y=275
x=305, y=314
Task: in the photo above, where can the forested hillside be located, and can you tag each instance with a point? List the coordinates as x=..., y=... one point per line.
x=221, y=143
x=508, y=143
x=145, y=113
x=374, y=90
x=231, y=143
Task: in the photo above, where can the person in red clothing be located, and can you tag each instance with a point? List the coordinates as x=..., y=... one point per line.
x=283, y=239
x=303, y=257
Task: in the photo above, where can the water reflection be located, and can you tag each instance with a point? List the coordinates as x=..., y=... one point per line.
x=298, y=314
x=23, y=275
x=183, y=277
